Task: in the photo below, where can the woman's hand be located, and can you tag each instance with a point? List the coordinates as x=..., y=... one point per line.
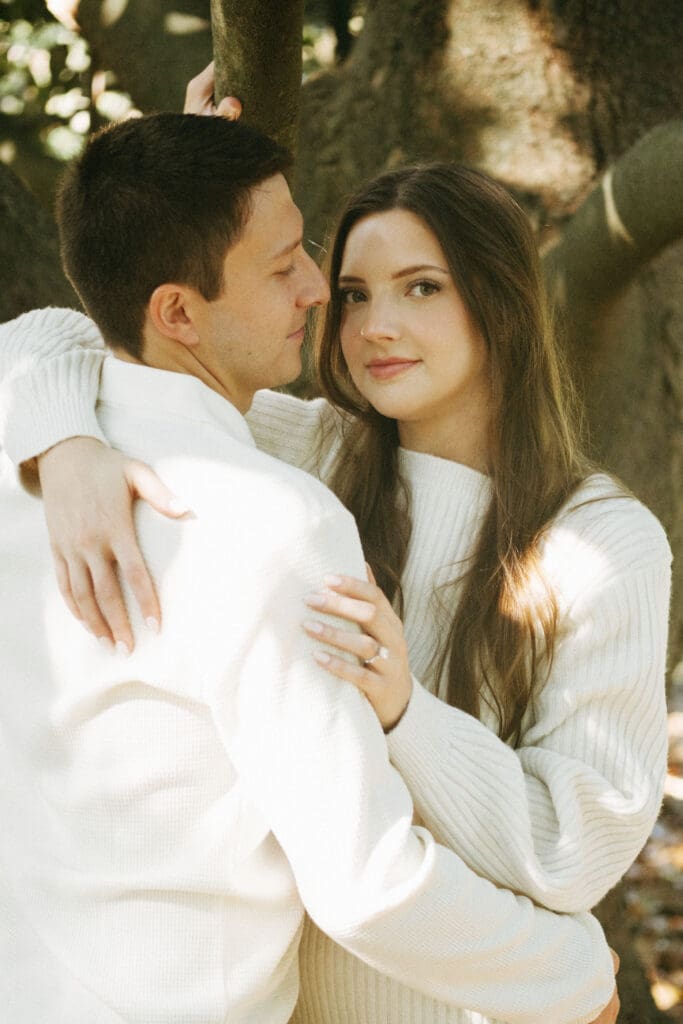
x=199, y=97
x=89, y=490
x=384, y=673
x=611, y=1011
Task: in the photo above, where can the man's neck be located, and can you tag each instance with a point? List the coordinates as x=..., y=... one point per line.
x=188, y=365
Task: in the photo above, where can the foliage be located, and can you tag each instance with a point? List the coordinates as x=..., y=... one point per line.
x=49, y=96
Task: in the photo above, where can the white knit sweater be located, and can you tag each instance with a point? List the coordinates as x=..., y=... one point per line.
x=561, y=817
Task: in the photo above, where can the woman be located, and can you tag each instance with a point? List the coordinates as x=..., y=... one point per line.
x=522, y=687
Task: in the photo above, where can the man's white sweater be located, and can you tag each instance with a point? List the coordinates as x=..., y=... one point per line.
x=553, y=802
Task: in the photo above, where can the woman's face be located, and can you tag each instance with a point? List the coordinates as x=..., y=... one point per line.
x=410, y=344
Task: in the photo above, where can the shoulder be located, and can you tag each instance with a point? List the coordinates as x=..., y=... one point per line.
x=603, y=533
x=603, y=511
x=246, y=489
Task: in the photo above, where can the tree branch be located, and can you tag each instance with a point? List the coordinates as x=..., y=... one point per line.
x=634, y=212
x=257, y=49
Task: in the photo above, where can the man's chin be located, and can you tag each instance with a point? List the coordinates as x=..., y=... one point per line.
x=289, y=374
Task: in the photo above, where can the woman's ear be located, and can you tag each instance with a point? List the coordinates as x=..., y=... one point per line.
x=171, y=311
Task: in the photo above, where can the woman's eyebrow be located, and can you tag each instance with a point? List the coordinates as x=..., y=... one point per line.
x=417, y=269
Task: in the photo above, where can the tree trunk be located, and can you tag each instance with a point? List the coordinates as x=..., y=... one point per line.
x=247, y=34
x=30, y=271
x=153, y=46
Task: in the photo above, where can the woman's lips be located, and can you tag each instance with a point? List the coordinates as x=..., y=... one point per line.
x=386, y=369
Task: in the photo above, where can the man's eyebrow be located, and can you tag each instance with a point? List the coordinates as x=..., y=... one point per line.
x=290, y=247
x=417, y=269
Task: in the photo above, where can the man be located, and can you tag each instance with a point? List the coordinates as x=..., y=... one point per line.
x=167, y=817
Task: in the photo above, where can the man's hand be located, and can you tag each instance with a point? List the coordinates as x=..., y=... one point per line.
x=199, y=97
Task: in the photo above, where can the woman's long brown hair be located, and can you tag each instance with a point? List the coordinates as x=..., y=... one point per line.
x=501, y=639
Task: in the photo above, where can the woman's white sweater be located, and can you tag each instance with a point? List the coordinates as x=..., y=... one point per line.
x=561, y=817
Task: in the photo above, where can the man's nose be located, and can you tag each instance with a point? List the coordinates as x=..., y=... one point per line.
x=316, y=291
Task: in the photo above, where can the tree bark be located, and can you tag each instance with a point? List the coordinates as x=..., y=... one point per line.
x=635, y=212
x=30, y=271
x=247, y=36
x=153, y=46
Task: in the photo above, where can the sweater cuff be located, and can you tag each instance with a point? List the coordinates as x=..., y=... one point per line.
x=51, y=403
x=416, y=739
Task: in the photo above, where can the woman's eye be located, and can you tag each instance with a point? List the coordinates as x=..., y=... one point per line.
x=287, y=271
x=424, y=288
x=351, y=296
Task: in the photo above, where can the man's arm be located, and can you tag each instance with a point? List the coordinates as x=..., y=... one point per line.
x=315, y=762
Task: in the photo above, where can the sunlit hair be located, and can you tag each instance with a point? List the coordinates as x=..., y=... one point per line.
x=154, y=200
x=501, y=639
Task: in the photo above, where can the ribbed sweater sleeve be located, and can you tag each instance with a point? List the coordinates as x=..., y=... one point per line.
x=561, y=817
x=50, y=362
x=298, y=431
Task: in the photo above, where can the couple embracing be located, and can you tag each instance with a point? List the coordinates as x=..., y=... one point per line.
x=292, y=786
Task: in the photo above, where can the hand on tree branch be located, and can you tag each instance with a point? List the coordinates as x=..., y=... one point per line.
x=199, y=97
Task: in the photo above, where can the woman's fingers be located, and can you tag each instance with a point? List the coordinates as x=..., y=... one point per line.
x=135, y=573
x=107, y=592
x=351, y=586
x=199, y=97
x=359, y=644
x=230, y=107
x=389, y=701
x=64, y=584
x=144, y=483
x=199, y=92
x=362, y=612
x=87, y=606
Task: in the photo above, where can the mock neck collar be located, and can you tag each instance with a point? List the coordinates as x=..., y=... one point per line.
x=170, y=394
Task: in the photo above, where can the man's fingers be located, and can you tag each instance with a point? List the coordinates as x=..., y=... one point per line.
x=145, y=484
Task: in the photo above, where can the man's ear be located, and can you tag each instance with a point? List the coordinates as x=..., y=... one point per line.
x=171, y=310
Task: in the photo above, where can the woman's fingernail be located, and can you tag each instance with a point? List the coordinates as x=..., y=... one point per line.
x=123, y=650
x=332, y=581
x=152, y=624
x=106, y=644
x=316, y=600
x=177, y=507
x=314, y=627
x=322, y=658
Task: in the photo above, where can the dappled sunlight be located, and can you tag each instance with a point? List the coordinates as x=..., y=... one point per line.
x=177, y=23
x=573, y=562
x=111, y=11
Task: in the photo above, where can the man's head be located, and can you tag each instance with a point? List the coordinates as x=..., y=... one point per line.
x=181, y=228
